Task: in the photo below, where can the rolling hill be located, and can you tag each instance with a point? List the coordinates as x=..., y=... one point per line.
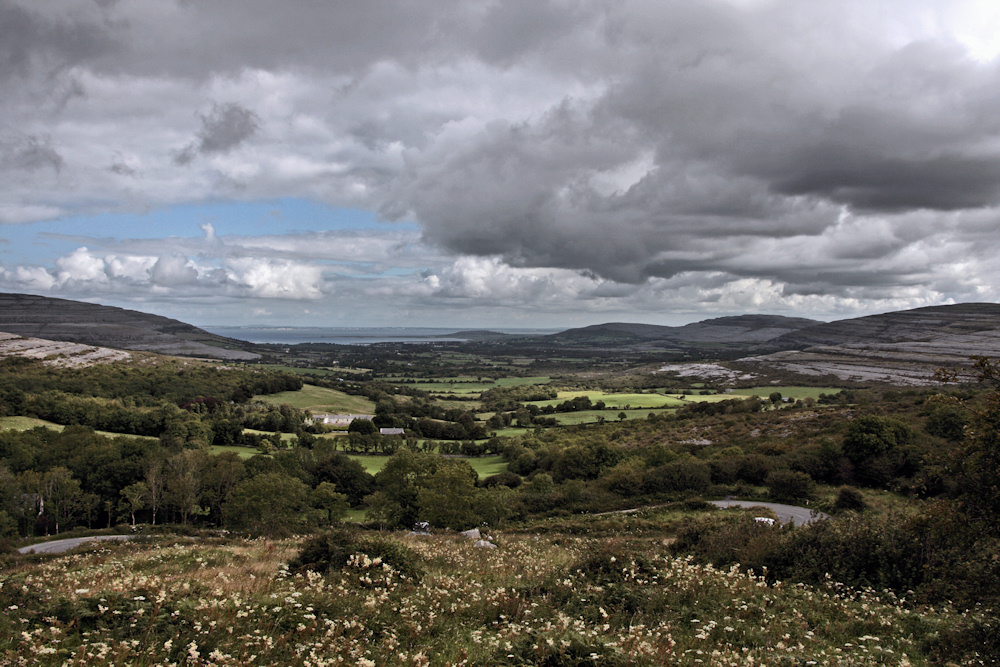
x=737, y=330
x=107, y=326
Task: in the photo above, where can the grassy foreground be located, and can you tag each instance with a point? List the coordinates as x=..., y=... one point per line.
x=548, y=600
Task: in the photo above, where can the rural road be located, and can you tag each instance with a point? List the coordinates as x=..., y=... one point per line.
x=60, y=546
x=797, y=516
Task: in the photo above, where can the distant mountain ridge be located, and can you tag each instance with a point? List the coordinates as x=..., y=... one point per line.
x=733, y=329
x=108, y=326
x=903, y=346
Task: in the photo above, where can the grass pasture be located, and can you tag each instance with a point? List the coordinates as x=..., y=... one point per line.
x=594, y=416
x=321, y=399
x=634, y=401
x=242, y=452
x=285, y=437
x=471, y=385
x=28, y=423
x=483, y=465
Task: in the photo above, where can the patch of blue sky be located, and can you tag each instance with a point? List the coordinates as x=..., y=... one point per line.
x=41, y=242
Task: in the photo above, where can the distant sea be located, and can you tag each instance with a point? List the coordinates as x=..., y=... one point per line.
x=353, y=335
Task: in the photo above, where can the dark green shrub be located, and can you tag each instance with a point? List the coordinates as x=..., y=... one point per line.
x=331, y=550
x=946, y=421
x=684, y=475
x=849, y=498
x=505, y=478
x=727, y=540
x=789, y=485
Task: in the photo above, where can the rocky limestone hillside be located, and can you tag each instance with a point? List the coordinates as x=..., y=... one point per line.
x=904, y=347
x=58, y=353
x=106, y=326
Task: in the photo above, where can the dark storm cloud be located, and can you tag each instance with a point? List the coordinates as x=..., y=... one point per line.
x=755, y=131
x=30, y=154
x=29, y=38
x=875, y=182
x=838, y=148
x=225, y=128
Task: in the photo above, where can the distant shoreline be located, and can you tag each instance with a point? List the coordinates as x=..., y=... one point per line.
x=354, y=335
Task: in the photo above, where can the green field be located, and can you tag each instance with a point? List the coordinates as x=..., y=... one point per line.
x=321, y=399
x=471, y=385
x=593, y=416
x=243, y=452
x=285, y=437
x=484, y=465
x=619, y=401
x=28, y=423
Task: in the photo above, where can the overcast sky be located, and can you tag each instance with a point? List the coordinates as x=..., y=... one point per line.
x=523, y=163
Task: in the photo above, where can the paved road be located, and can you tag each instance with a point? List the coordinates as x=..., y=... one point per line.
x=797, y=516
x=60, y=546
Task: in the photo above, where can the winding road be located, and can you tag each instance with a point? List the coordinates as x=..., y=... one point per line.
x=61, y=546
x=797, y=516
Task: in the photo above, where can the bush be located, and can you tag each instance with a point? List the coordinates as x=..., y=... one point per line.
x=789, y=485
x=686, y=475
x=505, y=478
x=727, y=540
x=331, y=550
x=849, y=498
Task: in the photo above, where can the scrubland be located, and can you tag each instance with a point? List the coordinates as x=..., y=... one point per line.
x=439, y=600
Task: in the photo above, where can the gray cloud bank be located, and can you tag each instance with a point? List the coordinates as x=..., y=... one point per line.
x=842, y=154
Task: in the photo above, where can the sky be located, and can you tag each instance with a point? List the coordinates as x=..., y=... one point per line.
x=522, y=163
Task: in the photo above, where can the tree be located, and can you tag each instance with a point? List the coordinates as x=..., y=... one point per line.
x=184, y=482
x=362, y=426
x=946, y=421
x=325, y=497
x=348, y=475
x=447, y=497
x=979, y=462
x=269, y=504
x=61, y=495
x=135, y=495
x=870, y=436
x=220, y=476
x=155, y=484
x=395, y=502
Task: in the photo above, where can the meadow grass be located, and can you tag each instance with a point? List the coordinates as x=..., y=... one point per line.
x=321, y=399
x=618, y=401
x=242, y=452
x=28, y=423
x=285, y=437
x=470, y=384
x=552, y=599
x=610, y=415
x=483, y=465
